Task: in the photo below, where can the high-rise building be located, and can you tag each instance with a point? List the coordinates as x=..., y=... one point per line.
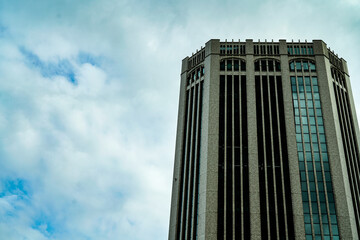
x=267, y=144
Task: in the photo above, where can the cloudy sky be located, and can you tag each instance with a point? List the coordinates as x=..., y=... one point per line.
x=89, y=95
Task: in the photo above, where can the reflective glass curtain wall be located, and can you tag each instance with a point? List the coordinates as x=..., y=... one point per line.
x=316, y=184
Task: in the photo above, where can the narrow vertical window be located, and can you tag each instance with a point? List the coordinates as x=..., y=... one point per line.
x=257, y=66
x=306, y=66
x=243, y=65
x=271, y=65
x=312, y=67
x=229, y=158
x=263, y=65
x=236, y=65
x=221, y=165
x=277, y=66
x=229, y=65
x=222, y=65
x=292, y=67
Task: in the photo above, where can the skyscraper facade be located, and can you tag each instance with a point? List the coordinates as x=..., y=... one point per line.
x=267, y=144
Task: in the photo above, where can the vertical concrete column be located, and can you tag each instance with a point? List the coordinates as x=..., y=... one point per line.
x=339, y=176
x=255, y=223
x=351, y=100
x=179, y=149
x=207, y=228
x=357, y=136
x=298, y=213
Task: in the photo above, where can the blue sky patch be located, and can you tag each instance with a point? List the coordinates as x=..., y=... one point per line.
x=63, y=67
x=44, y=225
x=84, y=57
x=19, y=187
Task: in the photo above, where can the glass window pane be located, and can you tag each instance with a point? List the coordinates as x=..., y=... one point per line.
x=305, y=129
x=312, y=179
x=322, y=199
x=263, y=65
x=309, y=95
x=320, y=121
x=305, y=197
x=316, y=147
x=243, y=65
x=308, y=229
x=277, y=66
x=236, y=65
x=334, y=229
x=303, y=187
x=301, y=88
x=298, y=66
x=312, y=120
x=328, y=186
x=310, y=166
x=271, y=65
x=316, y=218
x=306, y=66
x=310, y=103
x=312, y=67
x=323, y=147
x=324, y=218
x=313, y=129
x=299, y=147
x=257, y=66
x=300, y=81
x=323, y=206
x=301, y=156
x=326, y=230
x=301, y=166
x=229, y=65
x=298, y=137
x=314, y=207
x=316, y=157
x=314, y=81
x=314, y=137
x=333, y=219
x=317, y=229
x=292, y=68
x=222, y=65
x=327, y=177
x=308, y=157
x=326, y=166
